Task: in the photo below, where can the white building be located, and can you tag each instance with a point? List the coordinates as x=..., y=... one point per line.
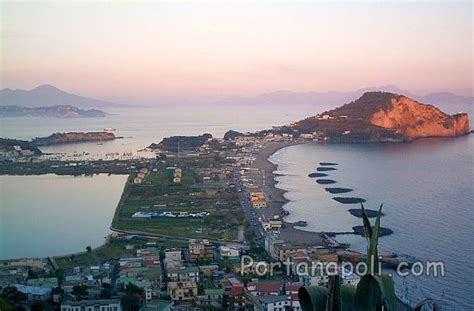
x=92, y=305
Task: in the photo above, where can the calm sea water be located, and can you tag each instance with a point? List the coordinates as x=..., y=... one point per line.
x=428, y=194
x=55, y=215
x=142, y=126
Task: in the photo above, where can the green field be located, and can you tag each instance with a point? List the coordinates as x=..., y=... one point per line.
x=194, y=194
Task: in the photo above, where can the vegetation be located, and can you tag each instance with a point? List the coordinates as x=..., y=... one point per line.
x=375, y=290
x=180, y=143
x=7, y=144
x=133, y=297
x=192, y=194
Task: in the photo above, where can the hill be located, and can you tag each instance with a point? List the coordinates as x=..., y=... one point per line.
x=384, y=117
x=47, y=95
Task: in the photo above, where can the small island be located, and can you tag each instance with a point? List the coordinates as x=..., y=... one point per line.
x=72, y=137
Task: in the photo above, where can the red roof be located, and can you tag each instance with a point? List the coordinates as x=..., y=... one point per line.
x=292, y=287
x=266, y=287
x=236, y=291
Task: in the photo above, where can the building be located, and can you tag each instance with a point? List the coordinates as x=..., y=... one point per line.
x=92, y=305
x=258, y=200
x=200, y=250
x=213, y=296
x=173, y=254
x=228, y=252
x=280, y=303
x=34, y=293
x=284, y=251
x=208, y=270
x=183, y=274
x=181, y=291
x=43, y=282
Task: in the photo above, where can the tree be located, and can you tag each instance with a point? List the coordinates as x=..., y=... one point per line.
x=37, y=306
x=105, y=293
x=89, y=249
x=130, y=302
x=133, y=297
x=80, y=291
x=12, y=295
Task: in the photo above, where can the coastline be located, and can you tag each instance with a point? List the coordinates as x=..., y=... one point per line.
x=277, y=199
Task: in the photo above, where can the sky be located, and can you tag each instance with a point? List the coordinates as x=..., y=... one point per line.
x=155, y=51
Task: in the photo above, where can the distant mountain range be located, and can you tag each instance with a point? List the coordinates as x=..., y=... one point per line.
x=446, y=101
x=49, y=112
x=47, y=95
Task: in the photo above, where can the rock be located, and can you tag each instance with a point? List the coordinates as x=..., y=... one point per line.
x=325, y=181
x=415, y=120
x=349, y=200
x=337, y=190
x=357, y=212
x=325, y=169
x=317, y=175
x=300, y=223
x=327, y=163
x=361, y=231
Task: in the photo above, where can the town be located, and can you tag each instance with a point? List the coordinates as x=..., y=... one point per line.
x=183, y=224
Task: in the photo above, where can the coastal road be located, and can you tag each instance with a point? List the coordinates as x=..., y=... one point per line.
x=249, y=212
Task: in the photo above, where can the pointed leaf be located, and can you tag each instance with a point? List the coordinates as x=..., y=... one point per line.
x=372, y=255
x=313, y=298
x=367, y=226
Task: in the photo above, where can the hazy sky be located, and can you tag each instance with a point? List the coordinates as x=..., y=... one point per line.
x=142, y=51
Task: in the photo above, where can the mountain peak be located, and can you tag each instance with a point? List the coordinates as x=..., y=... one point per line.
x=47, y=95
x=46, y=88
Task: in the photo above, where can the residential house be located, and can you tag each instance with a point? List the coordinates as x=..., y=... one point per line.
x=183, y=274
x=200, y=250
x=92, y=305
x=181, y=291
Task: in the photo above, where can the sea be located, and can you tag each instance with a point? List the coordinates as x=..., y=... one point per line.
x=426, y=188
x=427, y=192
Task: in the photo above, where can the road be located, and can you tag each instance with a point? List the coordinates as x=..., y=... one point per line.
x=249, y=212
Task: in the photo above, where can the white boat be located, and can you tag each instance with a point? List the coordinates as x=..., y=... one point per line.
x=109, y=129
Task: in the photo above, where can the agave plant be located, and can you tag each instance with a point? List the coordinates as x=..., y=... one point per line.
x=375, y=291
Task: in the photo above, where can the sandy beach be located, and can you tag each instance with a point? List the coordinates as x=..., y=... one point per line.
x=276, y=196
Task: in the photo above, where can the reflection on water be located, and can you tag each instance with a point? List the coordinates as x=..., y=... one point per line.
x=54, y=215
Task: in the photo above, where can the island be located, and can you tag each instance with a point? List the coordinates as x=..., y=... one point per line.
x=72, y=137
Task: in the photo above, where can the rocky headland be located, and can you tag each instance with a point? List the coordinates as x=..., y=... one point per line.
x=383, y=117
x=72, y=137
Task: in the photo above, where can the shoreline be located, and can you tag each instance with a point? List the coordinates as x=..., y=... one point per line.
x=277, y=199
